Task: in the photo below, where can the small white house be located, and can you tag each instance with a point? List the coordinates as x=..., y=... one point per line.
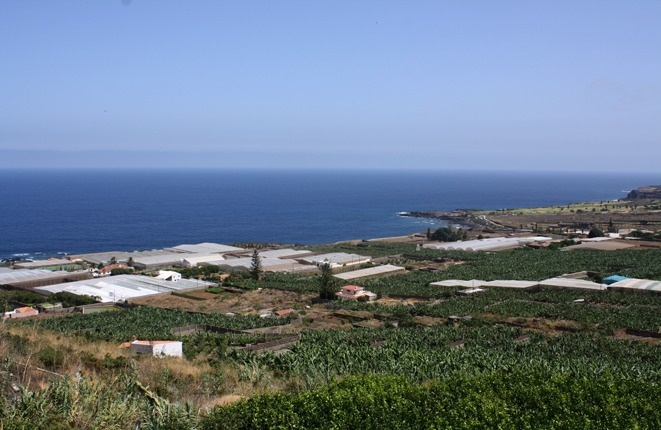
x=157, y=348
x=168, y=275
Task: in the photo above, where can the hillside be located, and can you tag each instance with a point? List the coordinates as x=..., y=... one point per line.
x=643, y=193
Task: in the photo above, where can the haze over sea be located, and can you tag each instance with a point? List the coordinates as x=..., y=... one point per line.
x=47, y=212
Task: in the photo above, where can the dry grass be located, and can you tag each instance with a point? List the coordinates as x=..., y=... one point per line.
x=195, y=382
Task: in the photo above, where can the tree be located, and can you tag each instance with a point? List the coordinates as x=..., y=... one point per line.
x=328, y=285
x=130, y=262
x=595, y=232
x=428, y=233
x=256, y=265
x=113, y=260
x=611, y=226
x=448, y=234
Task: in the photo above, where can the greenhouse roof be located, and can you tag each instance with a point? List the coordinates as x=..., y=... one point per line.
x=123, y=287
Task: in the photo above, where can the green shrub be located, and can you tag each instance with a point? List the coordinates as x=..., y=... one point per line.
x=51, y=358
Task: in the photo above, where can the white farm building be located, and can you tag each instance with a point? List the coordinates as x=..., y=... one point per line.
x=157, y=348
x=489, y=244
x=124, y=287
x=336, y=259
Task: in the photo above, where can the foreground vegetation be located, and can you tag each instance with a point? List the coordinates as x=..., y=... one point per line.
x=513, y=400
x=501, y=359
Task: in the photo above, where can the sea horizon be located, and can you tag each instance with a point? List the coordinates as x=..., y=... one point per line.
x=51, y=211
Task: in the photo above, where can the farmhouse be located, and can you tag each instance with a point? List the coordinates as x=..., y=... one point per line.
x=355, y=292
x=107, y=271
x=22, y=313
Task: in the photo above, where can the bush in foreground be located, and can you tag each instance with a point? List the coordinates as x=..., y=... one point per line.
x=497, y=400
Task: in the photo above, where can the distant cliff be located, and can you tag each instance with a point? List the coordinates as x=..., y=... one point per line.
x=648, y=192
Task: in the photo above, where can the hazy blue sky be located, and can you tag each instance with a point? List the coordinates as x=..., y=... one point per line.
x=517, y=85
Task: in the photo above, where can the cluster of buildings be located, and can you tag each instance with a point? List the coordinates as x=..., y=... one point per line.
x=89, y=274
x=488, y=244
x=576, y=281
x=227, y=258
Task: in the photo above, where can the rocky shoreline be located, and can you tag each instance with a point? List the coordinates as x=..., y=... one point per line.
x=463, y=218
x=640, y=210
x=642, y=193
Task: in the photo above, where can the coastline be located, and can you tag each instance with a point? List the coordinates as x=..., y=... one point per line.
x=641, y=210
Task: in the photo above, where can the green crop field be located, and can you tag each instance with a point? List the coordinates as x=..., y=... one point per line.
x=503, y=358
x=145, y=323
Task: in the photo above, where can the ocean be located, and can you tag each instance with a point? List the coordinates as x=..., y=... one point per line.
x=55, y=212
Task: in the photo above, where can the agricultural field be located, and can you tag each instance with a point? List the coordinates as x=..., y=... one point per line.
x=145, y=323
x=429, y=359
x=644, y=214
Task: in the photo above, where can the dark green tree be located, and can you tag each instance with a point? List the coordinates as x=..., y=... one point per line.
x=328, y=284
x=448, y=234
x=595, y=232
x=611, y=226
x=256, y=265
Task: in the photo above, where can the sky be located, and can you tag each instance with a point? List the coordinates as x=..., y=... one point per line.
x=473, y=85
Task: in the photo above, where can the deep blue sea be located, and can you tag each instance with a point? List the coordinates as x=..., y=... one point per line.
x=44, y=213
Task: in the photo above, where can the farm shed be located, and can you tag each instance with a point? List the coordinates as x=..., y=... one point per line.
x=637, y=284
x=511, y=284
x=268, y=265
x=470, y=291
x=204, y=248
x=168, y=275
x=25, y=278
x=613, y=279
x=198, y=259
x=572, y=283
x=336, y=259
x=610, y=245
x=124, y=287
x=49, y=264
x=283, y=253
x=49, y=307
x=157, y=348
x=386, y=269
x=475, y=283
x=489, y=244
x=159, y=261
x=119, y=256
